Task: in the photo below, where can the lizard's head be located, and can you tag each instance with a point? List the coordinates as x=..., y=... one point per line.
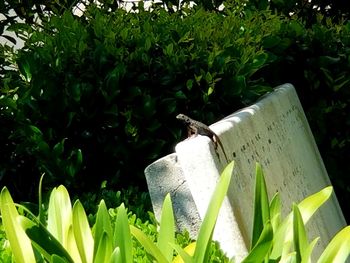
x=182, y=117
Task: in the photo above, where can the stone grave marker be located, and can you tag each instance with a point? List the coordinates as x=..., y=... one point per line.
x=274, y=132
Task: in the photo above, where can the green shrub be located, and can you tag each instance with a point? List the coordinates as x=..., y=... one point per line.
x=98, y=94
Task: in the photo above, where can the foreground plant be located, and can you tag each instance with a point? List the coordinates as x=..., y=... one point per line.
x=277, y=240
x=67, y=236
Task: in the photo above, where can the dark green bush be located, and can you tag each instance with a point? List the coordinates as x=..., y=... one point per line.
x=96, y=96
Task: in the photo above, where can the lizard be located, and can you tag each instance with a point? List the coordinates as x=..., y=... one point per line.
x=195, y=127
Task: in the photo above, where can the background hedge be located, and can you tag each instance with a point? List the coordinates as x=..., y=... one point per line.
x=93, y=99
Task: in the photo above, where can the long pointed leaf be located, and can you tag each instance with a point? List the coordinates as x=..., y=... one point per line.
x=313, y=202
x=261, y=205
x=82, y=233
x=59, y=214
x=116, y=256
x=308, y=251
x=299, y=234
x=43, y=240
x=104, y=249
x=102, y=225
x=307, y=208
x=209, y=221
x=338, y=249
x=166, y=234
x=150, y=247
x=19, y=241
x=122, y=236
x=262, y=246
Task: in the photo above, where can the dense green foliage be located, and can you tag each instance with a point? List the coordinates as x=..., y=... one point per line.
x=92, y=101
x=93, y=98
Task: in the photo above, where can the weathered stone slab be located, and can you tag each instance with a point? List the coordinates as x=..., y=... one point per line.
x=274, y=132
x=165, y=176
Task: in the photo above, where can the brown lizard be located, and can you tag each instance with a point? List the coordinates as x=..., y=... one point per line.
x=195, y=127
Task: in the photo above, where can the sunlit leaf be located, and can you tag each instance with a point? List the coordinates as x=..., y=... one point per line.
x=338, y=249
x=149, y=246
x=122, y=236
x=102, y=225
x=261, y=205
x=209, y=221
x=166, y=234
x=19, y=241
x=82, y=233
x=262, y=246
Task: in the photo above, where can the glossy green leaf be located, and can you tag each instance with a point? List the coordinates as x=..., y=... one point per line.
x=313, y=202
x=275, y=211
x=59, y=214
x=149, y=246
x=20, y=243
x=307, y=208
x=116, y=256
x=261, y=205
x=308, y=251
x=299, y=234
x=82, y=233
x=43, y=240
x=104, y=249
x=166, y=234
x=122, y=236
x=41, y=207
x=102, y=226
x=338, y=249
x=262, y=247
x=209, y=221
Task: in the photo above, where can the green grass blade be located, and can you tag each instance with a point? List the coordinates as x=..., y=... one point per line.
x=72, y=245
x=262, y=247
x=166, y=235
x=116, y=256
x=59, y=214
x=275, y=211
x=104, y=249
x=41, y=208
x=261, y=205
x=149, y=246
x=308, y=251
x=299, y=234
x=82, y=233
x=209, y=221
x=102, y=225
x=20, y=243
x=313, y=202
x=307, y=208
x=122, y=236
x=338, y=249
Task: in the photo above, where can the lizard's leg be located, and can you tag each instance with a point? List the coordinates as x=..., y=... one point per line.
x=192, y=132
